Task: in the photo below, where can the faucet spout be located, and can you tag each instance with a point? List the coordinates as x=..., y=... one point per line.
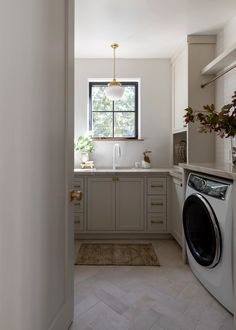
x=116, y=155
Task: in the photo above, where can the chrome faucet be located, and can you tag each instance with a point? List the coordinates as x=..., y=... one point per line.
x=116, y=155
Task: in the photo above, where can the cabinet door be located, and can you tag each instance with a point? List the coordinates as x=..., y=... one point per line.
x=180, y=89
x=129, y=204
x=101, y=204
x=177, y=199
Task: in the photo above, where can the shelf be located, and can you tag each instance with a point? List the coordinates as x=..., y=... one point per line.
x=178, y=131
x=221, y=62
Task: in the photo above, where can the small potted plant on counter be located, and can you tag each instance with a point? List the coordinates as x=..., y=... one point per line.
x=222, y=122
x=146, y=162
x=85, y=145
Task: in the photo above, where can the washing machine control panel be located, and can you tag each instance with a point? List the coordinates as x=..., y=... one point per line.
x=208, y=187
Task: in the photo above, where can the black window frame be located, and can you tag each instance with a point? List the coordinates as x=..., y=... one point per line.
x=136, y=111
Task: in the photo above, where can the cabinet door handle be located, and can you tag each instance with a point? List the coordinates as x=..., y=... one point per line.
x=77, y=221
x=156, y=203
x=157, y=185
x=77, y=185
x=157, y=221
x=76, y=204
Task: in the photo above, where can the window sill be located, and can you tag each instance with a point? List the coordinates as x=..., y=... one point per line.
x=117, y=139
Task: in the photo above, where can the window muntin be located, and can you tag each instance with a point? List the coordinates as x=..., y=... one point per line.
x=113, y=119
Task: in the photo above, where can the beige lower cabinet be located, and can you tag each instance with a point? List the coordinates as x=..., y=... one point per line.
x=115, y=204
x=79, y=207
x=156, y=222
x=101, y=204
x=157, y=205
x=121, y=204
x=130, y=204
x=177, y=200
x=78, y=222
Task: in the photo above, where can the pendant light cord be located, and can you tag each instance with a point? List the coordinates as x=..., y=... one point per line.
x=114, y=46
x=114, y=63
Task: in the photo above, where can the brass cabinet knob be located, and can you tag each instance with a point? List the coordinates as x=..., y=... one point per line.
x=75, y=195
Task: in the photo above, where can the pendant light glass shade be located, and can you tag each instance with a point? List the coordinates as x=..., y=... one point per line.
x=114, y=90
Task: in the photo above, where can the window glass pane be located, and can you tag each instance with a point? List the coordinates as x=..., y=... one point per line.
x=127, y=102
x=102, y=124
x=99, y=100
x=124, y=124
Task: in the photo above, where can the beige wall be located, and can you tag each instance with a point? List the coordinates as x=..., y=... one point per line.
x=225, y=86
x=155, y=102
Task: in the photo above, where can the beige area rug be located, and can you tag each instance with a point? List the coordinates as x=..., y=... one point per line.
x=120, y=254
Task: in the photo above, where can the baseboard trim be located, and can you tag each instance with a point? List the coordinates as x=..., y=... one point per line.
x=123, y=236
x=178, y=238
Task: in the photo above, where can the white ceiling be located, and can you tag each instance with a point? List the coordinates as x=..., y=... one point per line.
x=144, y=28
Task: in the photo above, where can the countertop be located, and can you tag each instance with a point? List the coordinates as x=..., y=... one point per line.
x=122, y=171
x=227, y=171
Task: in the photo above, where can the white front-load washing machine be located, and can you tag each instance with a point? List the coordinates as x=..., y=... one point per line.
x=208, y=224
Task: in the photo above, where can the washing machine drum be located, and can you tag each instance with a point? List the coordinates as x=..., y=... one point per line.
x=202, y=231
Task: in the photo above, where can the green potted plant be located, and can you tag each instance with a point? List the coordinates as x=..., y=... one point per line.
x=85, y=145
x=222, y=122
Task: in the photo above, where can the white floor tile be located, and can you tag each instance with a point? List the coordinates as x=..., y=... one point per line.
x=146, y=298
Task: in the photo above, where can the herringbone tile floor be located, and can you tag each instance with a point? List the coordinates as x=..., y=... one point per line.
x=142, y=298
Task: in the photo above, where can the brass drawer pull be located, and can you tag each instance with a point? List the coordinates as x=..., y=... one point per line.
x=77, y=185
x=115, y=178
x=156, y=204
x=157, y=221
x=157, y=185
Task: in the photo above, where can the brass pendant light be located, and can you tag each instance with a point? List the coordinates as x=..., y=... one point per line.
x=114, y=90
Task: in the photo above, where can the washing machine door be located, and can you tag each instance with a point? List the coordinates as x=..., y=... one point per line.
x=202, y=231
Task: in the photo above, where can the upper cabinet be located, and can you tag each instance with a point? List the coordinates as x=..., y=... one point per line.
x=187, y=78
x=180, y=89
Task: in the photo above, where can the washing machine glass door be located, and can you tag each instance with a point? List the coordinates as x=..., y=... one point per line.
x=202, y=231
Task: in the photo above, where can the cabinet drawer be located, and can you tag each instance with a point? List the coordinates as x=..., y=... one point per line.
x=79, y=184
x=78, y=222
x=156, y=222
x=78, y=206
x=156, y=204
x=156, y=186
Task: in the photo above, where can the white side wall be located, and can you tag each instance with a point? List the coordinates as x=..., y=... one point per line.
x=225, y=86
x=32, y=172
x=155, y=101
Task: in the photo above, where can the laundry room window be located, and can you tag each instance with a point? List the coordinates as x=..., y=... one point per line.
x=113, y=119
